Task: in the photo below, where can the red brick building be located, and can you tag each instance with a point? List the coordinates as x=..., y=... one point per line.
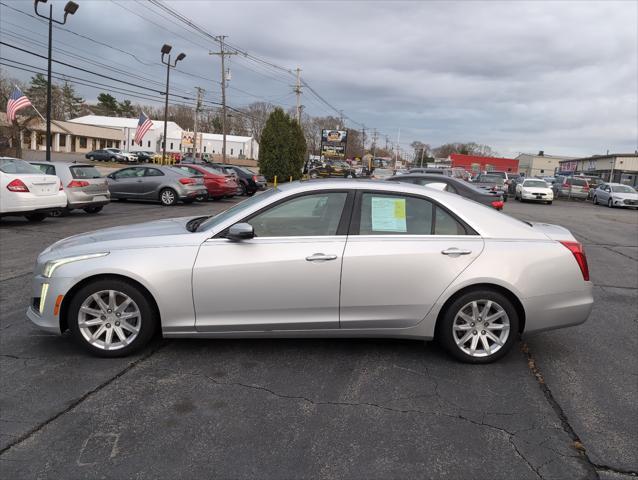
x=473, y=163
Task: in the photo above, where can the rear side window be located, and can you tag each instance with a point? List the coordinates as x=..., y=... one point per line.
x=446, y=224
x=153, y=172
x=84, y=171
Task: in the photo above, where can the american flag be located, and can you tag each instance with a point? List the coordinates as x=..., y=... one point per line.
x=143, y=126
x=17, y=101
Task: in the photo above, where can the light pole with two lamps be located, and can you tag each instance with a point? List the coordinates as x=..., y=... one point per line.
x=69, y=9
x=166, y=52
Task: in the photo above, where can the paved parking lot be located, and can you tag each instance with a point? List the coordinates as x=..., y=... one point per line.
x=563, y=405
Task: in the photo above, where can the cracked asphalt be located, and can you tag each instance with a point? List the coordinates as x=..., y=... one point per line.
x=561, y=405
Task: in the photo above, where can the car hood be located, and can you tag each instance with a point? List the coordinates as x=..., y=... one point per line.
x=156, y=233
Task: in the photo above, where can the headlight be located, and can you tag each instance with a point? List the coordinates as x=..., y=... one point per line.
x=52, y=265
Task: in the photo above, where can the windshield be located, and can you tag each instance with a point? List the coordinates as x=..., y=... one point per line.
x=84, y=171
x=235, y=209
x=535, y=183
x=622, y=189
x=14, y=165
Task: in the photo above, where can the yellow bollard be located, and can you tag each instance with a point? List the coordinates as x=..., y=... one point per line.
x=275, y=185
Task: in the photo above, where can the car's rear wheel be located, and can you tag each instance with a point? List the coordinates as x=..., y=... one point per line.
x=479, y=327
x=36, y=217
x=243, y=190
x=313, y=174
x=168, y=197
x=113, y=159
x=111, y=318
x=91, y=157
x=93, y=209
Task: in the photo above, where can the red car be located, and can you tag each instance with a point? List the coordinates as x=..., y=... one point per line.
x=218, y=184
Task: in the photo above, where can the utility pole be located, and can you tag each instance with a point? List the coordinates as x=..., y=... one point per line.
x=198, y=107
x=222, y=55
x=387, y=140
x=297, y=91
x=374, y=142
x=341, y=119
x=396, y=158
x=363, y=140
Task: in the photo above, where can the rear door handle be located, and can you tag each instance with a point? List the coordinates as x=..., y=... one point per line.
x=455, y=251
x=320, y=257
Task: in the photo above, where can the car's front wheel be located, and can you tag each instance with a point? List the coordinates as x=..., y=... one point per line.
x=168, y=197
x=479, y=327
x=111, y=318
x=595, y=200
x=610, y=203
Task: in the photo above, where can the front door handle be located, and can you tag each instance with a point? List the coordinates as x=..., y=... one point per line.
x=320, y=257
x=455, y=252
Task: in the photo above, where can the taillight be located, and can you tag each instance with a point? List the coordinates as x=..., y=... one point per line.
x=255, y=178
x=17, y=185
x=187, y=181
x=61, y=187
x=565, y=185
x=498, y=205
x=579, y=254
x=77, y=183
x=586, y=188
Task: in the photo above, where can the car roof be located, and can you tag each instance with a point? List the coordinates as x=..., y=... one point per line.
x=62, y=162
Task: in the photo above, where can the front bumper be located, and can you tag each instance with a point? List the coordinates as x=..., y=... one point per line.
x=537, y=198
x=47, y=296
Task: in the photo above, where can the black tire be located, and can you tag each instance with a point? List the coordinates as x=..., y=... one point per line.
x=243, y=189
x=202, y=198
x=113, y=159
x=504, y=197
x=168, y=197
x=610, y=203
x=313, y=174
x=550, y=202
x=62, y=212
x=595, y=200
x=445, y=333
x=91, y=157
x=188, y=201
x=36, y=217
x=93, y=209
x=147, y=320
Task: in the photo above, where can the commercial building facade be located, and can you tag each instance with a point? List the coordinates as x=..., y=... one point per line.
x=476, y=164
x=615, y=167
x=539, y=165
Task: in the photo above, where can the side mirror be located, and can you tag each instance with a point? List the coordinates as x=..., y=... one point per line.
x=111, y=176
x=240, y=231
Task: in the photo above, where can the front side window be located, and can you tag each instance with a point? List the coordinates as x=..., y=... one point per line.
x=312, y=215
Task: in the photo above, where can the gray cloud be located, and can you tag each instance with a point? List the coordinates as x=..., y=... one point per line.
x=521, y=76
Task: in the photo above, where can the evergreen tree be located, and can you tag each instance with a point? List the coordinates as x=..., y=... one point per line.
x=107, y=105
x=126, y=109
x=298, y=149
x=71, y=102
x=275, y=146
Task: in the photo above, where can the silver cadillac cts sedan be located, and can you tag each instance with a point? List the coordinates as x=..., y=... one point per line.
x=325, y=258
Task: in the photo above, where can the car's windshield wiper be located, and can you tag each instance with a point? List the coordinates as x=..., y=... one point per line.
x=193, y=223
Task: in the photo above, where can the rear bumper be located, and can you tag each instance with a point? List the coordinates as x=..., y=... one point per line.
x=81, y=199
x=190, y=192
x=548, y=312
x=30, y=203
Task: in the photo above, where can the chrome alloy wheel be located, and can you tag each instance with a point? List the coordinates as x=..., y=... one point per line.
x=109, y=320
x=168, y=197
x=481, y=328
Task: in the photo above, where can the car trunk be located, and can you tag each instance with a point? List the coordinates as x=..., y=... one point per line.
x=553, y=232
x=40, y=185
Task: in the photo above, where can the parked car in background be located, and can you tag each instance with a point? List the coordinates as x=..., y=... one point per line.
x=570, y=187
x=105, y=155
x=513, y=182
x=615, y=195
x=549, y=180
x=493, y=183
x=333, y=168
x=485, y=277
x=26, y=191
x=131, y=156
x=218, y=184
x=593, y=183
x=452, y=185
x=168, y=185
x=84, y=186
x=248, y=182
x=145, y=155
x=435, y=171
x=534, y=189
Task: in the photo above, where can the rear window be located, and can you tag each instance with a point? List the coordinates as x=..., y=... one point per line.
x=579, y=182
x=84, y=171
x=535, y=183
x=491, y=179
x=14, y=165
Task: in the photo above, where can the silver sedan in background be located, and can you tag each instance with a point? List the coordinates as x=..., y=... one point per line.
x=319, y=259
x=167, y=185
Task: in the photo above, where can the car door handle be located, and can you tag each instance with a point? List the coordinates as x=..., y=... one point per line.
x=455, y=251
x=320, y=257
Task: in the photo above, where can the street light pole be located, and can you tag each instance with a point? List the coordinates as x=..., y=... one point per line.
x=69, y=9
x=166, y=51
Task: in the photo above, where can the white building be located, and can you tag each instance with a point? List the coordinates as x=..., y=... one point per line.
x=178, y=138
x=128, y=126
x=540, y=165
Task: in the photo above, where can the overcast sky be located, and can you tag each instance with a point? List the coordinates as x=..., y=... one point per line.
x=519, y=76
